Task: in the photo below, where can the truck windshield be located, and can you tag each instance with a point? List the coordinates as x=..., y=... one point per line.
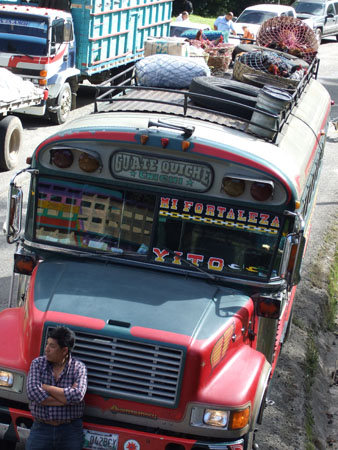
x=23, y=35
x=255, y=17
x=309, y=8
x=217, y=237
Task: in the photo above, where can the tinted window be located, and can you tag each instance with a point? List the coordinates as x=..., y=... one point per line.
x=330, y=9
x=255, y=17
x=316, y=9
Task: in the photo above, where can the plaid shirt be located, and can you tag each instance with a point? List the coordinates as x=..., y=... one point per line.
x=41, y=372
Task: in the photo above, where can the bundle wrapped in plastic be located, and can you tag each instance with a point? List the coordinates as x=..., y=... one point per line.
x=13, y=87
x=169, y=71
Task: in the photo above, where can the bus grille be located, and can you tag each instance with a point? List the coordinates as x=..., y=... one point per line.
x=130, y=369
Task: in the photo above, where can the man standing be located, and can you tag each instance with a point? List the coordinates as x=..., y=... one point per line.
x=225, y=23
x=56, y=386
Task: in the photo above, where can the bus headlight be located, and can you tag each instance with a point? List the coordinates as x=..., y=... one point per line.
x=11, y=381
x=218, y=418
x=6, y=379
x=215, y=418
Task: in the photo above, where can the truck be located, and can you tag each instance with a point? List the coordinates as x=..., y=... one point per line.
x=324, y=15
x=82, y=40
x=167, y=229
x=11, y=135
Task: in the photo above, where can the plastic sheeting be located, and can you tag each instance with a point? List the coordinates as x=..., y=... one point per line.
x=13, y=88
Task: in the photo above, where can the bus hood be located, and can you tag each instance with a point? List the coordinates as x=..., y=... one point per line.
x=96, y=294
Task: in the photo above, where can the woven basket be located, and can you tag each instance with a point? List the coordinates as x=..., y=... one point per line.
x=219, y=62
x=240, y=71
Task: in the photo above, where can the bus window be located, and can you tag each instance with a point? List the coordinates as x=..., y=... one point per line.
x=221, y=238
x=93, y=218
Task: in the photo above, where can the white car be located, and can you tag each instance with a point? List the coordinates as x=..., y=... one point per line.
x=254, y=16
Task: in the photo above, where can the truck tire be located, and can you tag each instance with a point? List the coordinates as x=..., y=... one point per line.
x=11, y=135
x=64, y=104
x=318, y=33
x=240, y=94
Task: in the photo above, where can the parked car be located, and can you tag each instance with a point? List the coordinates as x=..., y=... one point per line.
x=324, y=15
x=254, y=16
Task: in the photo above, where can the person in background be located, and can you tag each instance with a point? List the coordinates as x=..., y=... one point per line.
x=56, y=386
x=183, y=17
x=225, y=23
x=247, y=36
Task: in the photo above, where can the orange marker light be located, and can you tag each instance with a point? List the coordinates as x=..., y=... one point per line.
x=239, y=419
x=185, y=145
x=144, y=139
x=24, y=264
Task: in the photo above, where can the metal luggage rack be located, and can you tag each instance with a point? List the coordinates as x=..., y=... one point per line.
x=127, y=96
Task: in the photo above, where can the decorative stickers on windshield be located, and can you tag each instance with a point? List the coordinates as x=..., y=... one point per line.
x=215, y=237
x=219, y=215
x=153, y=169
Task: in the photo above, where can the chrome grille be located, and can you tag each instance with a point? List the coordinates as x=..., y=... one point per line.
x=130, y=369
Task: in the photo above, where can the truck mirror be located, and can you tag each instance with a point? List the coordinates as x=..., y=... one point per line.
x=12, y=226
x=292, y=258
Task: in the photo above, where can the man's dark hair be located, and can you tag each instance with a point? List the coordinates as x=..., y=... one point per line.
x=187, y=6
x=64, y=337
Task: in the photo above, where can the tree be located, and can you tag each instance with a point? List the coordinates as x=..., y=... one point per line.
x=220, y=7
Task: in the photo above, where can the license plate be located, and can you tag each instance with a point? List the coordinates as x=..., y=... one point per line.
x=97, y=440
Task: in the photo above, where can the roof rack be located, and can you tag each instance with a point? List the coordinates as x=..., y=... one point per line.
x=121, y=93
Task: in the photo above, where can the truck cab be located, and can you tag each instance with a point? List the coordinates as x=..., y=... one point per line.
x=324, y=15
x=59, y=48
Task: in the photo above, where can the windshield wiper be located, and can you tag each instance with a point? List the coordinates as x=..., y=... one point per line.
x=191, y=264
x=113, y=253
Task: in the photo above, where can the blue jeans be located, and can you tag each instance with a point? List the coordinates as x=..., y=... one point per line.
x=68, y=436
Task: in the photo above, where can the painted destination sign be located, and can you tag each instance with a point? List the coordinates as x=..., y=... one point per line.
x=170, y=172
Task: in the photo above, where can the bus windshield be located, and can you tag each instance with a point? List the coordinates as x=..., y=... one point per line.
x=220, y=238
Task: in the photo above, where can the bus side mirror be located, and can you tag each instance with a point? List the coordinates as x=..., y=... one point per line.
x=292, y=258
x=12, y=226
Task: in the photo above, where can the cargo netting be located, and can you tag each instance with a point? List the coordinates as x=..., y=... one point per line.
x=289, y=35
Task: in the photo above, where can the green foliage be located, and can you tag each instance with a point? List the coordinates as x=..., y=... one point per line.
x=199, y=19
x=216, y=8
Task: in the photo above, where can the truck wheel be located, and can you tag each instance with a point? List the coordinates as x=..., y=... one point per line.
x=11, y=135
x=318, y=33
x=64, y=105
x=239, y=94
